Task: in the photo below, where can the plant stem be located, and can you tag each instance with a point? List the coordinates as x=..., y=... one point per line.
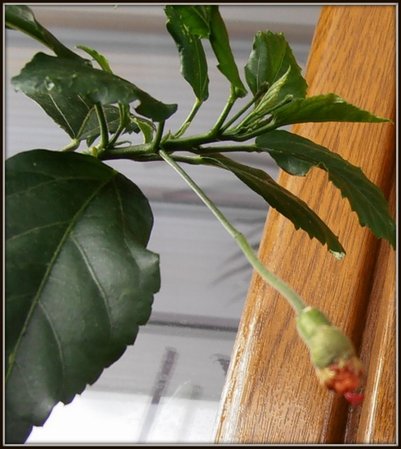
x=117, y=134
x=186, y=143
x=158, y=138
x=238, y=114
x=104, y=132
x=188, y=120
x=267, y=127
x=289, y=294
x=225, y=149
x=227, y=108
x=72, y=146
x=122, y=109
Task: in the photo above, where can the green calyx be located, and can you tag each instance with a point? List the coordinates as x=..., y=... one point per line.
x=327, y=344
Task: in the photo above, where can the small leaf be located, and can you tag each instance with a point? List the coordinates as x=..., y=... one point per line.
x=269, y=60
x=281, y=199
x=20, y=17
x=79, y=279
x=146, y=127
x=48, y=75
x=274, y=95
x=297, y=155
x=220, y=43
x=321, y=108
x=98, y=57
x=271, y=100
x=192, y=55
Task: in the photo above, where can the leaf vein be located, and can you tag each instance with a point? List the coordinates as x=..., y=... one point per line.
x=29, y=231
x=95, y=279
x=62, y=115
x=58, y=179
x=46, y=275
x=58, y=343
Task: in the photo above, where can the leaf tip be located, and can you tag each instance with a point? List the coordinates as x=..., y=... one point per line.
x=339, y=255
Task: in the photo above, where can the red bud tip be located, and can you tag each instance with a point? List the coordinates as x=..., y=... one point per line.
x=346, y=376
x=354, y=398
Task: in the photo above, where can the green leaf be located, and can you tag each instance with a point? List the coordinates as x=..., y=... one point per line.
x=98, y=57
x=53, y=76
x=206, y=22
x=192, y=56
x=90, y=129
x=146, y=127
x=271, y=100
x=321, y=108
x=124, y=114
x=20, y=17
x=269, y=61
x=195, y=19
x=67, y=109
x=281, y=199
x=297, y=155
x=274, y=96
x=220, y=43
x=79, y=279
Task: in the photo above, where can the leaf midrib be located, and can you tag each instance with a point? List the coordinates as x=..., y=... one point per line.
x=50, y=181
x=47, y=273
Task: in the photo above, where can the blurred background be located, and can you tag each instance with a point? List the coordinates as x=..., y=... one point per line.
x=167, y=387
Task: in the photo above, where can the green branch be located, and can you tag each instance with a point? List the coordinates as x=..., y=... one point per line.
x=72, y=146
x=225, y=149
x=188, y=120
x=239, y=113
x=104, y=132
x=227, y=108
x=158, y=137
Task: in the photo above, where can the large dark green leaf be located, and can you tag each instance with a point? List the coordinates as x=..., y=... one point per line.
x=192, y=55
x=269, y=60
x=281, y=199
x=297, y=155
x=321, y=108
x=79, y=279
x=221, y=47
x=48, y=75
x=20, y=17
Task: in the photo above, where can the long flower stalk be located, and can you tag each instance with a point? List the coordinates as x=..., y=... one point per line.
x=332, y=353
x=288, y=293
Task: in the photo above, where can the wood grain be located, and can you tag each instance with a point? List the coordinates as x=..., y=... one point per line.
x=271, y=393
x=375, y=421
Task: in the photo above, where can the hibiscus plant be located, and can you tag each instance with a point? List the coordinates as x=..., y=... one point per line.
x=80, y=279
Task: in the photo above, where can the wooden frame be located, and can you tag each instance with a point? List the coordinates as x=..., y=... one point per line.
x=271, y=393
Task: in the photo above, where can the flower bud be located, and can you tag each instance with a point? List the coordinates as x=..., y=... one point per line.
x=332, y=354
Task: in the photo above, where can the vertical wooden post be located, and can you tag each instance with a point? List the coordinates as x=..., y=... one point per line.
x=271, y=393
